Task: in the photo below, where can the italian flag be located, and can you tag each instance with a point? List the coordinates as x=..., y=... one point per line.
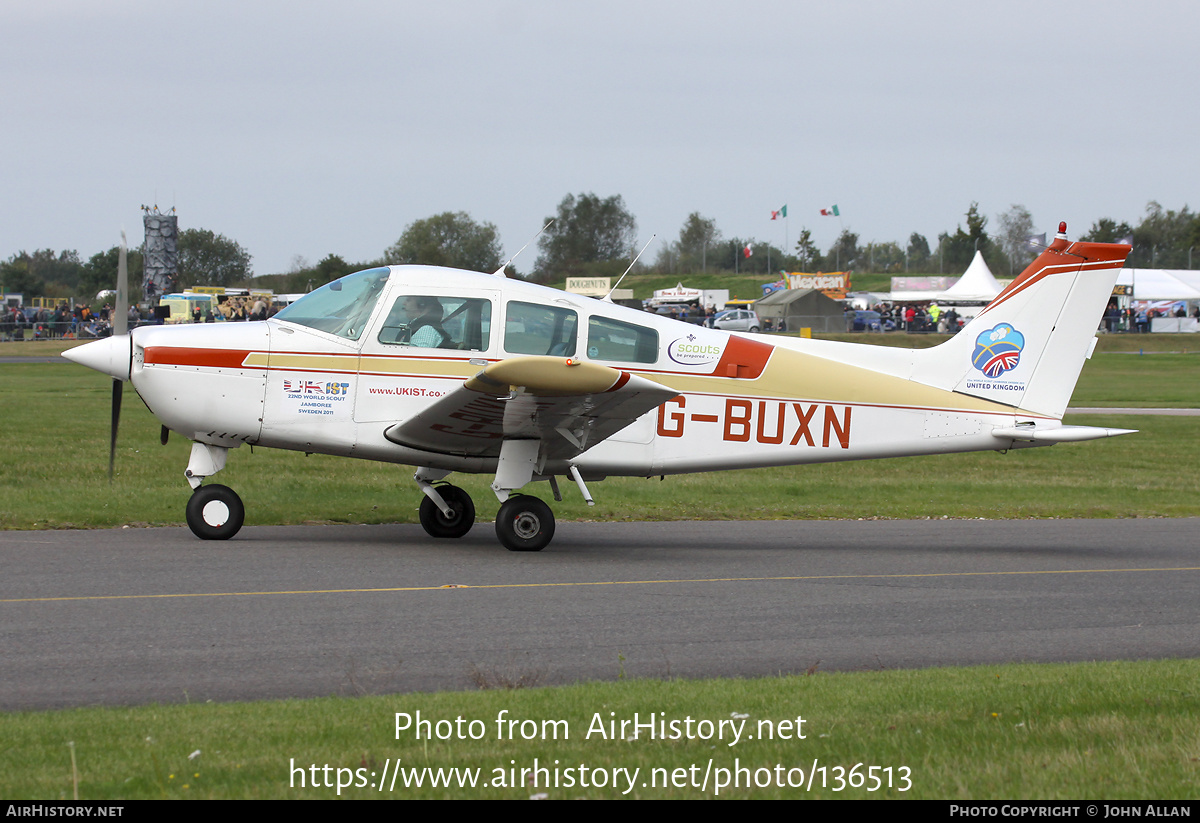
x=775, y=215
x=832, y=211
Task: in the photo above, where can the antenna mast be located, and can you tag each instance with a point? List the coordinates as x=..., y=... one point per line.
x=500, y=271
x=608, y=297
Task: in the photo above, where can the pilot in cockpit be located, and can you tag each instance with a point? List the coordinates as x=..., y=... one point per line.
x=425, y=322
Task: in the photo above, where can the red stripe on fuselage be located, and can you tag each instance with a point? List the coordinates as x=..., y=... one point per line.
x=186, y=356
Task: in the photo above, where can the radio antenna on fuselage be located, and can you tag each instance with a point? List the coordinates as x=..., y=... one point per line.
x=608, y=297
x=500, y=271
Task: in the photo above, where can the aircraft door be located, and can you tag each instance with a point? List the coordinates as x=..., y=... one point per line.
x=424, y=345
x=309, y=392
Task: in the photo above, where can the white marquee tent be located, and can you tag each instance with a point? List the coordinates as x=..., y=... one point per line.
x=1161, y=284
x=977, y=285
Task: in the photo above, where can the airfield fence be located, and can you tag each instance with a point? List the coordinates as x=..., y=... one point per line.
x=818, y=323
x=49, y=330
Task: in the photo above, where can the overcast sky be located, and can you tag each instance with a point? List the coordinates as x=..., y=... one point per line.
x=307, y=129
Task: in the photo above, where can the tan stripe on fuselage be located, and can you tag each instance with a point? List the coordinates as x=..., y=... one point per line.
x=791, y=374
x=788, y=375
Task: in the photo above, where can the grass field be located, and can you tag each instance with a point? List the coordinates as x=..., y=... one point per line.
x=59, y=421
x=1096, y=731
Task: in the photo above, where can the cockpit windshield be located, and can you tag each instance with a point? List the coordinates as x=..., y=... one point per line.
x=342, y=307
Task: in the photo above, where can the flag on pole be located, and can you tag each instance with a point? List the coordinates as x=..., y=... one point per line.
x=832, y=211
x=746, y=252
x=775, y=215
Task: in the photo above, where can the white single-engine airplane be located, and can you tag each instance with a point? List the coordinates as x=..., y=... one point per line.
x=452, y=370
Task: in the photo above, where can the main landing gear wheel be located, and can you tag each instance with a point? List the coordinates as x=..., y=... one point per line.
x=524, y=524
x=215, y=512
x=462, y=515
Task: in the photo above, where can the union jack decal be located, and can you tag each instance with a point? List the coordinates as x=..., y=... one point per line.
x=305, y=386
x=998, y=350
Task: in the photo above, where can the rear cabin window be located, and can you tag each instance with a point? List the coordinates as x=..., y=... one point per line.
x=530, y=328
x=614, y=340
x=429, y=321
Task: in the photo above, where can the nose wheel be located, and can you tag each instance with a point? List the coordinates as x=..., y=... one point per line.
x=462, y=515
x=215, y=512
x=524, y=524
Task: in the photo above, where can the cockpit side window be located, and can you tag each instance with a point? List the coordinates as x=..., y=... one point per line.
x=438, y=322
x=342, y=307
x=530, y=328
x=610, y=339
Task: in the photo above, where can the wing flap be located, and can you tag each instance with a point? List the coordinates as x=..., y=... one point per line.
x=568, y=405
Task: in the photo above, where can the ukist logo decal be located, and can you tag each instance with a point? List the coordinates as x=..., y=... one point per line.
x=316, y=397
x=314, y=387
x=998, y=350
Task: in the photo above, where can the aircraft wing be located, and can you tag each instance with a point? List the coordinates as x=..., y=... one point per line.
x=568, y=405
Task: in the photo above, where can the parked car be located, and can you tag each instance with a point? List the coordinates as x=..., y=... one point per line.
x=737, y=320
x=865, y=321
x=686, y=313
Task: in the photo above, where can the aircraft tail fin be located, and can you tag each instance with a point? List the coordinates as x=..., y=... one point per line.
x=1027, y=347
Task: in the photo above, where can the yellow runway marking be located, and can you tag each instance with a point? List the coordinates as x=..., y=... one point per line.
x=596, y=583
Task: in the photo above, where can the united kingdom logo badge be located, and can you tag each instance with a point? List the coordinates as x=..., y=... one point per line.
x=998, y=350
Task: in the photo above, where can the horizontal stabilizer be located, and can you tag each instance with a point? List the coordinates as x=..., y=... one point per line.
x=1059, y=434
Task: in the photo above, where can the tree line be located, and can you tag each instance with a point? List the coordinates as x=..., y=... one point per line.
x=593, y=236
x=205, y=259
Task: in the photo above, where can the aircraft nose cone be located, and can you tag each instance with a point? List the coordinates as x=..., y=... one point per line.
x=112, y=355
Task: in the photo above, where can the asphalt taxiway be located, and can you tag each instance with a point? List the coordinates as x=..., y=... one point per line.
x=131, y=616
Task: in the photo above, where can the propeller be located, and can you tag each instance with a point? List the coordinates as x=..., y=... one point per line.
x=120, y=325
x=116, y=420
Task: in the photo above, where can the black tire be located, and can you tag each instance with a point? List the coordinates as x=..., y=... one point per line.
x=524, y=524
x=461, y=520
x=754, y=329
x=215, y=512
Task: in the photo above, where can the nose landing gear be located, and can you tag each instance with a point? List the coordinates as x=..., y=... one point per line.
x=215, y=512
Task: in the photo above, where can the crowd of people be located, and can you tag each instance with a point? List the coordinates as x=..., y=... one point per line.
x=238, y=308
x=701, y=316
x=1140, y=319
x=63, y=321
x=233, y=309
x=927, y=317
x=81, y=322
